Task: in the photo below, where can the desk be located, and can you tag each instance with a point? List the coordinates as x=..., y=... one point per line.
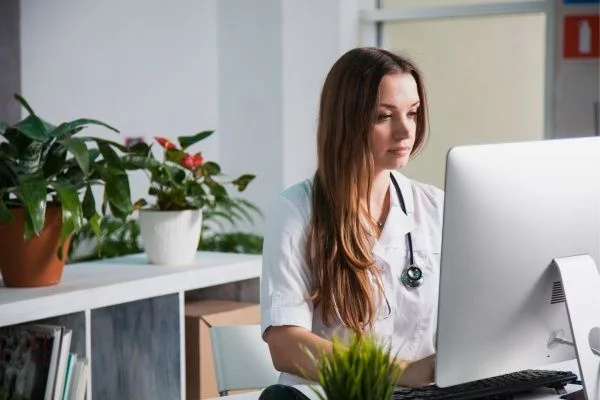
x=550, y=395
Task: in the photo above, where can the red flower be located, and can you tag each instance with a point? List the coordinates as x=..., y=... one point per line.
x=192, y=161
x=164, y=142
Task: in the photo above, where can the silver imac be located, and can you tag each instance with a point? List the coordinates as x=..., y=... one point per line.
x=510, y=210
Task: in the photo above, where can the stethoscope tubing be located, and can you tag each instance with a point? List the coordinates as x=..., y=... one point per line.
x=412, y=276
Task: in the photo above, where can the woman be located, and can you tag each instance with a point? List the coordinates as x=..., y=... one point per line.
x=337, y=248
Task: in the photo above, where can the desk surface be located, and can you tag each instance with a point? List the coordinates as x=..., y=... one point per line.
x=563, y=366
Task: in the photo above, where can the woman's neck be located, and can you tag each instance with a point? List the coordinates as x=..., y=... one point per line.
x=380, y=198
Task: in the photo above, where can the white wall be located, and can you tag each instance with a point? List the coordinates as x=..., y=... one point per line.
x=273, y=58
x=146, y=67
x=311, y=46
x=250, y=93
x=252, y=70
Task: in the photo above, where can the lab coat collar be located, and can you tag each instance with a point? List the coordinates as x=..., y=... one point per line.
x=398, y=224
x=407, y=193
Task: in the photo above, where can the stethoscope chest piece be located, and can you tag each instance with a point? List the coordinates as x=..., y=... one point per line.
x=412, y=276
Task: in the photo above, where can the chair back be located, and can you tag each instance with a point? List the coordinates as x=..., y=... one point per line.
x=241, y=358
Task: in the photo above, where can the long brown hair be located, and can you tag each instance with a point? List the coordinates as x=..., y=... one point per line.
x=338, y=249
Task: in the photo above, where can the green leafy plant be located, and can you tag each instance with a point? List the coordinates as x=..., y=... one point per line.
x=116, y=237
x=120, y=238
x=182, y=180
x=44, y=164
x=232, y=242
x=229, y=212
x=361, y=369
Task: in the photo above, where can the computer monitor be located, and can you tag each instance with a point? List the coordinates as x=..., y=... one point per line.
x=509, y=210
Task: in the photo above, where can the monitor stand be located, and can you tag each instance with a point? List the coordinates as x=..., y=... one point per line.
x=581, y=284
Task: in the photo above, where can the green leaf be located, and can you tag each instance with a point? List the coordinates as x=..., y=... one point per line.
x=133, y=162
x=78, y=148
x=24, y=104
x=93, y=154
x=243, y=203
x=217, y=190
x=243, y=181
x=195, y=189
x=119, y=146
x=110, y=155
x=8, y=167
x=55, y=161
x=140, y=148
x=30, y=158
x=94, y=222
x=33, y=128
x=72, y=213
x=174, y=156
x=32, y=190
x=89, y=203
x=211, y=168
x=223, y=215
x=68, y=127
x=6, y=217
x=48, y=126
x=187, y=141
x=116, y=190
x=3, y=127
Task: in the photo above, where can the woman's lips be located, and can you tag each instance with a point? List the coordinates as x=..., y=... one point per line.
x=400, y=151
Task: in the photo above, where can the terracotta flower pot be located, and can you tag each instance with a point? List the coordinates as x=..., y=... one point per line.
x=33, y=262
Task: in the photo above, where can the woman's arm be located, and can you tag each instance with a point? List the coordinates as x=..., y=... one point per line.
x=289, y=344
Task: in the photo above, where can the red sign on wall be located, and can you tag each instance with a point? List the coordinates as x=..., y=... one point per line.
x=581, y=36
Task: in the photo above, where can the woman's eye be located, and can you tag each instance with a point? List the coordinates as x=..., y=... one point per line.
x=384, y=117
x=412, y=114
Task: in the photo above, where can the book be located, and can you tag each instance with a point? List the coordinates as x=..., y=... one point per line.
x=61, y=368
x=69, y=375
x=28, y=361
x=79, y=380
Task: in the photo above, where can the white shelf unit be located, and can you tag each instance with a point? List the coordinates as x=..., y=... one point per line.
x=127, y=317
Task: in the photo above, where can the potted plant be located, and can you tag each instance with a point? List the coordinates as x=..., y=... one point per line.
x=182, y=183
x=43, y=171
x=362, y=369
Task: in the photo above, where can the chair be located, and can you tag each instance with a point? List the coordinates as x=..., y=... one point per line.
x=242, y=359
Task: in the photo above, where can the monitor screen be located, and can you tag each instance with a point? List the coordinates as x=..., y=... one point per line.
x=509, y=210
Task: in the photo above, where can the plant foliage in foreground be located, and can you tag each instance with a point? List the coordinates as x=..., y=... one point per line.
x=362, y=369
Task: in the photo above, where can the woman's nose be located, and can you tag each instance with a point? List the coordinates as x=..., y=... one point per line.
x=401, y=129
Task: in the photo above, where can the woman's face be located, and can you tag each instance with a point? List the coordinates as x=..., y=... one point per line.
x=393, y=133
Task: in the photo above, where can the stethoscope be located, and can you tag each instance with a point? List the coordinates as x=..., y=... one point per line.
x=412, y=276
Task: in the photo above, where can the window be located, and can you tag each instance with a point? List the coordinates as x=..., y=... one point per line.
x=484, y=67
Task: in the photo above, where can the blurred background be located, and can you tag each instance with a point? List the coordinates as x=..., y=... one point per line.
x=253, y=69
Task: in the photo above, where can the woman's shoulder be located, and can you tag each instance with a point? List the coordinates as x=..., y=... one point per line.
x=421, y=191
x=427, y=191
x=290, y=210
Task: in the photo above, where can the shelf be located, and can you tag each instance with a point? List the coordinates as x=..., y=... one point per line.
x=91, y=285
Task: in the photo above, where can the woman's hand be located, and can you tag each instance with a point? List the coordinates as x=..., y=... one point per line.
x=418, y=373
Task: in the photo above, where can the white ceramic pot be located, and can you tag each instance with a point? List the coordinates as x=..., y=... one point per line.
x=171, y=237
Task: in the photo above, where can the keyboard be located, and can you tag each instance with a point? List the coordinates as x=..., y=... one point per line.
x=499, y=387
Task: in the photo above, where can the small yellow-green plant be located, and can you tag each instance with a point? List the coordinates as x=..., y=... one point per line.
x=362, y=368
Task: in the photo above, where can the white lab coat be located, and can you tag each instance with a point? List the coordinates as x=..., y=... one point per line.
x=286, y=281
